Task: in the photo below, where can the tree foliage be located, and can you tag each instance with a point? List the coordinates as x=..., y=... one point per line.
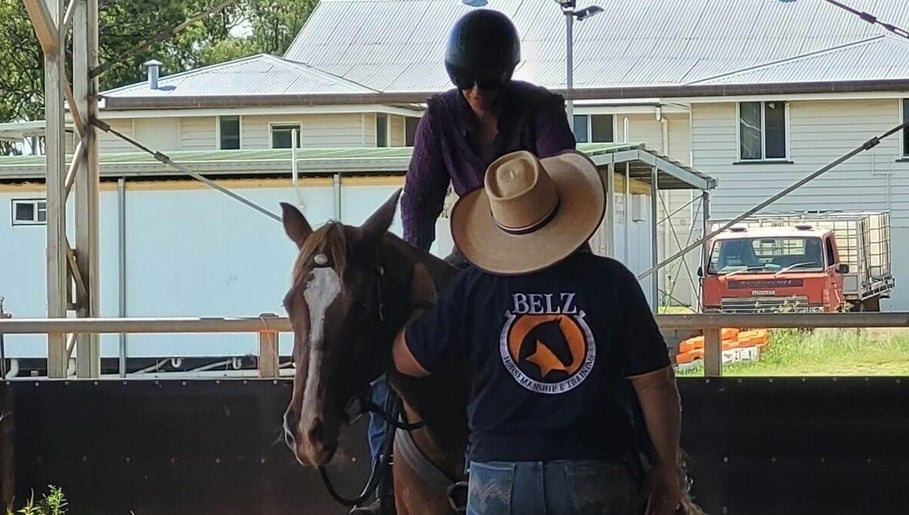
x=244, y=28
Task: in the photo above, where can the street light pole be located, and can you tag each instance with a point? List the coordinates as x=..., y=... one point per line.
x=569, y=60
x=568, y=9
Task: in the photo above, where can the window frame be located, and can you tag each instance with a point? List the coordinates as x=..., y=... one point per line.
x=738, y=133
x=271, y=132
x=387, y=130
x=239, y=131
x=589, y=117
x=904, y=141
x=410, y=137
x=36, y=202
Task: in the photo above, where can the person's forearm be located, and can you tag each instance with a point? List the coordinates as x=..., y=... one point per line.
x=660, y=404
x=418, y=221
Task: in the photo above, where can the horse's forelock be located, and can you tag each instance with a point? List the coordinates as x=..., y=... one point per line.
x=331, y=240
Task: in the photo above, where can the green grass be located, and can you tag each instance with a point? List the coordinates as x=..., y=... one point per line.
x=827, y=352
x=51, y=503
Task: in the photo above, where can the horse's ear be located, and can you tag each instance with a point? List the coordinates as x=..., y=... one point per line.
x=295, y=224
x=377, y=224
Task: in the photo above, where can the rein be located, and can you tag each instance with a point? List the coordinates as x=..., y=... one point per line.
x=391, y=414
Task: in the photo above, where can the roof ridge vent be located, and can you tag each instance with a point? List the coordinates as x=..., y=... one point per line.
x=154, y=70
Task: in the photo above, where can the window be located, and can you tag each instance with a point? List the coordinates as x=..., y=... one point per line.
x=29, y=212
x=381, y=130
x=229, y=131
x=762, y=131
x=593, y=128
x=906, y=130
x=828, y=248
x=410, y=129
x=281, y=135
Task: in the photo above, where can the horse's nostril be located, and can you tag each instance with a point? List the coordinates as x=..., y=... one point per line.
x=316, y=431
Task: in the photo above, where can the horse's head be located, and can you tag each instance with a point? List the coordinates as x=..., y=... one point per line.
x=341, y=329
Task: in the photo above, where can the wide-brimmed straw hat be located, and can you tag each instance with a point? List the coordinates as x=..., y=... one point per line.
x=531, y=212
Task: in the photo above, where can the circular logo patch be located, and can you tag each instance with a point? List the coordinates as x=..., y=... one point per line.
x=547, y=353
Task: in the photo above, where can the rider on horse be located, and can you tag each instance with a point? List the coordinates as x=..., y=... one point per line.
x=550, y=333
x=465, y=129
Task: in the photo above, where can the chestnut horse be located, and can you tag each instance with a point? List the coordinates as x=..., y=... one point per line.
x=351, y=292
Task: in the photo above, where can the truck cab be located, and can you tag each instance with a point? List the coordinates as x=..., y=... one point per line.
x=774, y=269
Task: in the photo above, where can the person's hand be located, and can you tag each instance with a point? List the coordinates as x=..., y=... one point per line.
x=661, y=491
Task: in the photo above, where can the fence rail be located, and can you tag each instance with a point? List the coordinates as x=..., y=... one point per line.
x=267, y=326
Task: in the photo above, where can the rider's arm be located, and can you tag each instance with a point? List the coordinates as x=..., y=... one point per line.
x=553, y=133
x=425, y=185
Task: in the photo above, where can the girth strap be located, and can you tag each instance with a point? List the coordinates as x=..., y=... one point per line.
x=409, y=453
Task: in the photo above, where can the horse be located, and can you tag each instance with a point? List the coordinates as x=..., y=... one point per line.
x=350, y=293
x=352, y=289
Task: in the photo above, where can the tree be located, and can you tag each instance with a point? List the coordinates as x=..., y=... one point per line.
x=270, y=27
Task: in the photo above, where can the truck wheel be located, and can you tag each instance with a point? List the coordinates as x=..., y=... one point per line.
x=872, y=304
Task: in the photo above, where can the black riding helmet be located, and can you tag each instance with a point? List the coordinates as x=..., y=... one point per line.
x=483, y=49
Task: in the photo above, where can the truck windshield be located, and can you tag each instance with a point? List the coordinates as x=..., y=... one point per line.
x=766, y=255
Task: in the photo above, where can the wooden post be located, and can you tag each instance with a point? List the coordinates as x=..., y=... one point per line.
x=713, y=352
x=269, y=366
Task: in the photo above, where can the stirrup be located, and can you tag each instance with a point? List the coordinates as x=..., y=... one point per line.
x=457, y=496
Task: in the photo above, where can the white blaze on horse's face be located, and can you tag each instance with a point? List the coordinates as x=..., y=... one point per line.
x=320, y=293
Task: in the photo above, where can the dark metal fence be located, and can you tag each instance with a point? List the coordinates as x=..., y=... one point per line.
x=755, y=446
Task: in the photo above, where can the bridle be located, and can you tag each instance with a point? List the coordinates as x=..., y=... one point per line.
x=391, y=413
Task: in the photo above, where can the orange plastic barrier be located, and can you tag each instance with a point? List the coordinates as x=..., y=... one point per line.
x=693, y=348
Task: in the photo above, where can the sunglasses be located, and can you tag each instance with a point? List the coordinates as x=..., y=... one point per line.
x=464, y=83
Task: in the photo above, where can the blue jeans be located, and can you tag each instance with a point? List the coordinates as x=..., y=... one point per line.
x=376, y=430
x=552, y=488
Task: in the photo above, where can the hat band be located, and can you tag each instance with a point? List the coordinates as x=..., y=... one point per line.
x=534, y=226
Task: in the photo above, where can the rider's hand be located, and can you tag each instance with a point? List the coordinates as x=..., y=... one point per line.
x=661, y=492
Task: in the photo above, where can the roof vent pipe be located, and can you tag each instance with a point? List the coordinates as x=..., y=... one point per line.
x=154, y=68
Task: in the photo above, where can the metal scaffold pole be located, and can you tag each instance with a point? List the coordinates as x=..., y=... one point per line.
x=87, y=181
x=67, y=266
x=47, y=18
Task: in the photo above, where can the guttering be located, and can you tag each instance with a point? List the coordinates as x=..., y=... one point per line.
x=420, y=97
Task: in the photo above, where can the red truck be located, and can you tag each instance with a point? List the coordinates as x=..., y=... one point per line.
x=799, y=262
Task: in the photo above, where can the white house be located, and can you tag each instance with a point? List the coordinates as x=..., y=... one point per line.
x=756, y=93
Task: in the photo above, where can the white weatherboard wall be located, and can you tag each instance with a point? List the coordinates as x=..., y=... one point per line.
x=820, y=131
x=191, y=252
x=672, y=140
x=194, y=252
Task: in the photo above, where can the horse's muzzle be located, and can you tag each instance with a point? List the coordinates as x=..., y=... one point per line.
x=309, y=439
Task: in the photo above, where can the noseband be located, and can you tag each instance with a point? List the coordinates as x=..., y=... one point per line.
x=391, y=413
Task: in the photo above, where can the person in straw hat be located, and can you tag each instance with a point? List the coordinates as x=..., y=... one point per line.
x=550, y=332
x=484, y=115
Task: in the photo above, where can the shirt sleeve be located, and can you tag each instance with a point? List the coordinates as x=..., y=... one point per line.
x=643, y=345
x=437, y=336
x=425, y=185
x=553, y=133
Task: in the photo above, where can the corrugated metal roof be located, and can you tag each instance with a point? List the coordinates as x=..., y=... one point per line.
x=382, y=160
x=885, y=57
x=398, y=45
x=255, y=75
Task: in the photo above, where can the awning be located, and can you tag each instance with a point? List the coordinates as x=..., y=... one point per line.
x=671, y=174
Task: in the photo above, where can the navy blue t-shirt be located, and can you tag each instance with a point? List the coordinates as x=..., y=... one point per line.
x=547, y=353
